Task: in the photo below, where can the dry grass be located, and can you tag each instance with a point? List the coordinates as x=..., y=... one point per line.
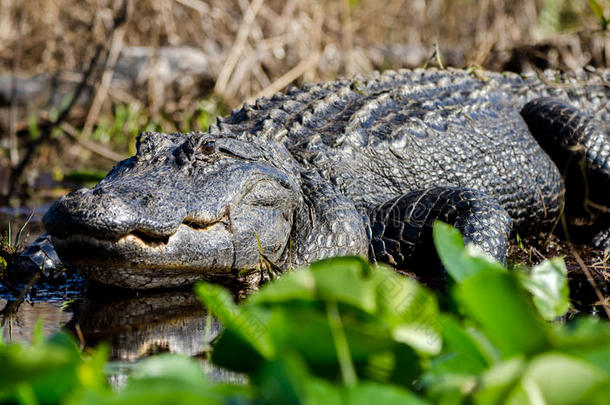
x=256, y=42
x=258, y=47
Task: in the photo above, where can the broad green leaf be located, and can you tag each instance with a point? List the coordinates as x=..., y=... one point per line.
x=233, y=352
x=597, y=9
x=548, y=283
x=296, y=285
x=373, y=393
x=282, y=381
x=459, y=261
x=321, y=391
x=409, y=309
x=171, y=367
x=163, y=379
x=400, y=307
x=50, y=370
x=496, y=301
x=587, y=338
x=345, y=280
x=449, y=388
x=404, y=364
x=497, y=382
x=91, y=374
x=557, y=379
x=307, y=331
x=461, y=353
x=248, y=322
x=218, y=301
x=26, y=363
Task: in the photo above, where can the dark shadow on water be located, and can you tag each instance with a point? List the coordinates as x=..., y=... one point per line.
x=134, y=324
x=137, y=325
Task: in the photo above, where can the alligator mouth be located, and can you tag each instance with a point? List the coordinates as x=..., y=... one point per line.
x=152, y=241
x=137, y=259
x=144, y=238
x=193, y=247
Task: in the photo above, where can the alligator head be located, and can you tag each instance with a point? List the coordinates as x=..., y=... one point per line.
x=185, y=207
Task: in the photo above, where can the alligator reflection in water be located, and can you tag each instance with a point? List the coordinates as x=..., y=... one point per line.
x=136, y=326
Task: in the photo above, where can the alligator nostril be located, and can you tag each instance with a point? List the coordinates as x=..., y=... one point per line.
x=145, y=200
x=99, y=191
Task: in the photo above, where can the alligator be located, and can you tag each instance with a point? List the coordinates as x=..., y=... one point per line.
x=350, y=167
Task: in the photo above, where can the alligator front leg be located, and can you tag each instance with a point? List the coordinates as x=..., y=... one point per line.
x=327, y=224
x=401, y=228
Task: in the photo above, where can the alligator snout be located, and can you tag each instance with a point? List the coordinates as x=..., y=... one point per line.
x=106, y=214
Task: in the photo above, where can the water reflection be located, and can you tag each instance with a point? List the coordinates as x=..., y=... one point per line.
x=134, y=326
x=139, y=325
x=18, y=326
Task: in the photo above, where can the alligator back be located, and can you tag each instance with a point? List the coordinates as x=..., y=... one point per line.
x=383, y=136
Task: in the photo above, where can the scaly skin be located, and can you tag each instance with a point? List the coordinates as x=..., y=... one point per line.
x=359, y=166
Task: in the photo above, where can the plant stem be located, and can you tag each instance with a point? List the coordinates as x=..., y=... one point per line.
x=348, y=372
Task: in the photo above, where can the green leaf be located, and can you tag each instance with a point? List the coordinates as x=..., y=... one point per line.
x=307, y=331
x=353, y=274
x=293, y=286
x=558, y=379
x=400, y=307
x=461, y=352
x=320, y=391
x=50, y=370
x=164, y=379
x=497, y=382
x=409, y=309
x=248, y=322
x=282, y=381
x=373, y=393
x=26, y=363
x=597, y=9
x=548, y=283
x=459, y=261
x=233, y=352
x=504, y=311
x=171, y=367
x=587, y=338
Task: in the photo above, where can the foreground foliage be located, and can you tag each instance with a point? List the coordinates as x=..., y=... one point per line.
x=346, y=332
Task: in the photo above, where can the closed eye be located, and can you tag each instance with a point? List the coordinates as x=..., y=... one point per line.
x=265, y=193
x=233, y=154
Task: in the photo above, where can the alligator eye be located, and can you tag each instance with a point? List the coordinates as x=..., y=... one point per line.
x=208, y=147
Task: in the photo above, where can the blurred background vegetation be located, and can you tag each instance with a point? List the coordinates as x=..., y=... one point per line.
x=79, y=79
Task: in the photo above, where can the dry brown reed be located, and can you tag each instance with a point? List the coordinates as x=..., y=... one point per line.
x=258, y=47
x=257, y=42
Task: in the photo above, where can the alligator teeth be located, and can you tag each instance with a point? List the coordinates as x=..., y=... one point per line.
x=149, y=239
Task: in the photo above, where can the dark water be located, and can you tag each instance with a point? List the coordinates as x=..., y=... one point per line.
x=18, y=326
x=134, y=325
